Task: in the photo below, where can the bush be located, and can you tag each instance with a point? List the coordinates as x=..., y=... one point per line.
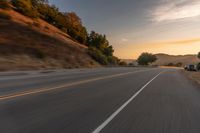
x=25, y=7
x=4, y=15
x=179, y=64
x=4, y=4
x=146, y=58
x=113, y=60
x=198, y=66
x=122, y=63
x=98, y=56
x=170, y=64
x=131, y=64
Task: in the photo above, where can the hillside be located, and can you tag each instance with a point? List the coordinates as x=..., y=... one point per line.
x=164, y=59
x=27, y=43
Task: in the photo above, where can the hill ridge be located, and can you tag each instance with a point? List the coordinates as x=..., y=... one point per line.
x=26, y=43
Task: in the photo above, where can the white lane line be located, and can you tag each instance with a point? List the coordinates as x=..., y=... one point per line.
x=20, y=94
x=109, y=119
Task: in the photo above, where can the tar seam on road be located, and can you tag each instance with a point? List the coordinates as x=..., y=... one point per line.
x=111, y=117
x=20, y=94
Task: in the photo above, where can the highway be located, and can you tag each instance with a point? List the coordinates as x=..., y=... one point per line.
x=101, y=100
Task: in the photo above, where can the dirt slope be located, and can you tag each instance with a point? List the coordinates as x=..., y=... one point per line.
x=164, y=59
x=35, y=44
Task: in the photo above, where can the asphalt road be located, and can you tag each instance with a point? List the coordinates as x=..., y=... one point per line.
x=105, y=100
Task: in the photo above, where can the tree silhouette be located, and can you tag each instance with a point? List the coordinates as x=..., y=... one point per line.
x=146, y=58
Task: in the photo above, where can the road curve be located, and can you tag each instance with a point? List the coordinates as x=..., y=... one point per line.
x=106, y=100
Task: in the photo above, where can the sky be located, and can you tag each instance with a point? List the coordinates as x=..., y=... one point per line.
x=136, y=26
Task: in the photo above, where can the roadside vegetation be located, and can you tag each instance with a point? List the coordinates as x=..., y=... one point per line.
x=100, y=49
x=4, y=15
x=198, y=65
x=68, y=22
x=4, y=4
x=146, y=59
x=179, y=64
x=195, y=76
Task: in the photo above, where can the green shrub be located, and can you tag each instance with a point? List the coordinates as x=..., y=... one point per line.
x=198, y=66
x=122, y=63
x=170, y=64
x=4, y=15
x=4, y=4
x=25, y=7
x=98, y=56
x=146, y=58
x=113, y=60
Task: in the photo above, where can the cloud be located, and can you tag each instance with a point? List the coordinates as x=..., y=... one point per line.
x=124, y=40
x=176, y=9
x=177, y=42
x=188, y=41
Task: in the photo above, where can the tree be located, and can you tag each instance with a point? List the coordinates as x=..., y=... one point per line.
x=37, y=3
x=146, y=58
x=198, y=65
x=25, y=7
x=99, y=42
x=108, y=51
x=98, y=56
x=198, y=55
x=4, y=4
x=48, y=13
x=75, y=27
x=73, y=19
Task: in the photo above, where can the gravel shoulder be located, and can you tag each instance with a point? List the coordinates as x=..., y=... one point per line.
x=195, y=76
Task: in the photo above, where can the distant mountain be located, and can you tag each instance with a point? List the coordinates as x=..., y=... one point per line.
x=165, y=59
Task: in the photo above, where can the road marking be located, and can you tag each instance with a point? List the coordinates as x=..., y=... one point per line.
x=20, y=94
x=111, y=117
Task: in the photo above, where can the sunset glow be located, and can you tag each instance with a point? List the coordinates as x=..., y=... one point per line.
x=157, y=26
x=179, y=47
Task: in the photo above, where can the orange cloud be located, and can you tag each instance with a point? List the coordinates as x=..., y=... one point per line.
x=187, y=41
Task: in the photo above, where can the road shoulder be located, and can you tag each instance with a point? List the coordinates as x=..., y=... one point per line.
x=194, y=76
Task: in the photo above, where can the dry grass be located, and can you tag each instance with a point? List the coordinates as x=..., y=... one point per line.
x=193, y=75
x=34, y=44
x=4, y=15
x=164, y=59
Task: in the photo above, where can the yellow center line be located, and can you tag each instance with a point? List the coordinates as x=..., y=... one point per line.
x=25, y=93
